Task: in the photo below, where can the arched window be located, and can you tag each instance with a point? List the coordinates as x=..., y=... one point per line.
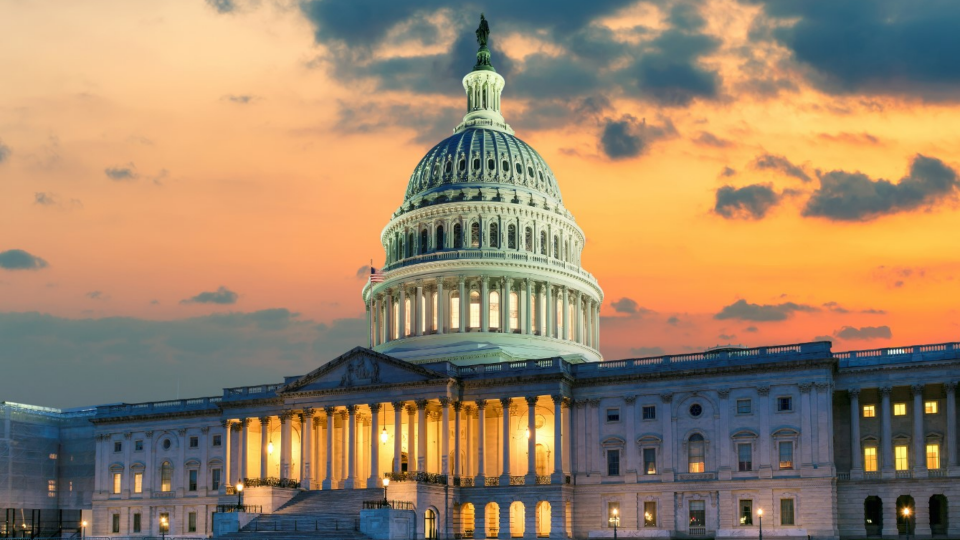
x=517, y=519
x=566, y=248
x=440, y=244
x=543, y=519
x=873, y=515
x=433, y=303
x=467, y=521
x=474, y=310
x=491, y=164
x=462, y=165
x=514, y=312
x=166, y=476
x=938, y=514
x=511, y=236
x=410, y=241
x=696, y=452
x=906, y=523
x=457, y=236
x=558, y=301
x=475, y=234
x=476, y=163
x=455, y=311
x=519, y=168
x=543, y=243
x=491, y=515
x=407, y=322
x=528, y=239
x=396, y=320
x=424, y=241
x=430, y=524
x=494, y=235
x=556, y=247
x=572, y=321
x=494, y=310
x=534, y=311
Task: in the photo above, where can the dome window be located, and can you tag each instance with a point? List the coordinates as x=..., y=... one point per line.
x=494, y=235
x=440, y=239
x=543, y=242
x=457, y=236
x=476, y=163
x=447, y=167
x=530, y=172
x=540, y=174
x=475, y=235
x=491, y=164
x=506, y=165
x=519, y=168
x=512, y=236
x=462, y=165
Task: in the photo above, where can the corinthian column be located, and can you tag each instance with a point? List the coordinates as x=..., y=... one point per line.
x=505, y=475
x=305, y=457
x=374, y=479
x=397, y=435
x=481, y=418
x=558, y=439
x=349, y=445
x=532, y=440
x=441, y=304
x=421, y=434
x=328, y=477
x=285, y=447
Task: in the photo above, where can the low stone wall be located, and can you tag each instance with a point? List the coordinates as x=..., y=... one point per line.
x=388, y=524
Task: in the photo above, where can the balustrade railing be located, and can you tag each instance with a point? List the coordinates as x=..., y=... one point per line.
x=491, y=481
x=271, y=482
x=419, y=477
x=543, y=480
x=396, y=505
x=517, y=481
x=232, y=508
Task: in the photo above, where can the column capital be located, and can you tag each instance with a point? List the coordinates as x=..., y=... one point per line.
x=484, y=279
x=419, y=283
x=127, y=435
x=308, y=413
x=854, y=393
x=233, y=427
x=225, y=423
x=411, y=410
x=531, y=400
x=397, y=405
x=375, y=407
x=461, y=279
x=950, y=386
x=885, y=391
x=916, y=390
x=457, y=406
x=666, y=397
x=763, y=390
x=244, y=422
x=330, y=410
x=805, y=387
x=444, y=401
x=149, y=434
x=439, y=281
x=317, y=421
x=557, y=399
x=724, y=393
x=284, y=416
x=352, y=410
x=344, y=415
x=632, y=398
x=421, y=404
x=505, y=402
x=264, y=421
x=481, y=403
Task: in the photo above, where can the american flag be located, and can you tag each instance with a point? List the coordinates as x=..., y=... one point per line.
x=375, y=276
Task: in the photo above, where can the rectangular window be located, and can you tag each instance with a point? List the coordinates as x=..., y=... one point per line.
x=786, y=455
x=138, y=446
x=164, y=522
x=215, y=479
x=116, y=523
x=870, y=459
x=137, y=524
x=194, y=442
x=51, y=486
x=649, y=412
x=193, y=480
x=746, y=512
x=784, y=404
x=649, y=461
x=649, y=514
x=698, y=513
x=138, y=482
x=933, y=456
x=454, y=312
x=217, y=440
x=900, y=456
x=613, y=512
x=117, y=480
x=613, y=415
x=899, y=409
x=869, y=411
x=744, y=406
x=192, y=522
x=786, y=512
x=117, y=446
x=613, y=463
x=745, y=457
x=930, y=407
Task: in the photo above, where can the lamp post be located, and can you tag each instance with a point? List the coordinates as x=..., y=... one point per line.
x=906, y=519
x=83, y=526
x=163, y=528
x=386, y=482
x=760, y=519
x=615, y=521
x=239, y=495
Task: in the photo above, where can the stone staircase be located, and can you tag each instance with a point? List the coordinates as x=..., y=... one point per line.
x=332, y=515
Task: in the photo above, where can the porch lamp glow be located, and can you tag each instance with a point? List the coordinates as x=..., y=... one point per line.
x=760, y=518
x=384, y=437
x=163, y=528
x=239, y=495
x=615, y=521
x=906, y=519
x=83, y=526
x=386, y=482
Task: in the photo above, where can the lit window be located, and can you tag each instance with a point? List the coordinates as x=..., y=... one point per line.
x=166, y=475
x=649, y=412
x=899, y=409
x=613, y=511
x=117, y=479
x=514, y=312
x=695, y=458
x=613, y=463
x=649, y=461
x=474, y=310
x=649, y=514
x=746, y=512
x=138, y=482
x=745, y=457
x=930, y=407
x=933, y=456
x=51, y=485
x=784, y=404
x=494, y=310
x=900, y=454
x=613, y=415
x=406, y=317
x=786, y=455
x=869, y=411
x=870, y=459
x=433, y=297
x=744, y=406
x=786, y=512
x=455, y=311
x=164, y=522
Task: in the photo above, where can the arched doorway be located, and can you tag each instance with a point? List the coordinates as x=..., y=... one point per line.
x=404, y=462
x=906, y=524
x=430, y=523
x=543, y=519
x=491, y=517
x=466, y=520
x=518, y=518
x=938, y=514
x=873, y=515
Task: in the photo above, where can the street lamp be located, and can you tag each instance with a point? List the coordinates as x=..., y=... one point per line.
x=163, y=527
x=760, y=518
x=386, y=482
x=906, y=519
x=83, y=525
x=615, y=521
x=239, y=495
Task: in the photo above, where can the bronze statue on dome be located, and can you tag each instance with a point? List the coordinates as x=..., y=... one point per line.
x=483, y=32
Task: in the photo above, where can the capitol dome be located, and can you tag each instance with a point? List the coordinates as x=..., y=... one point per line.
x=482, y=259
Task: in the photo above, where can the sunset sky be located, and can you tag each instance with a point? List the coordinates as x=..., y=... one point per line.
x=190, y=190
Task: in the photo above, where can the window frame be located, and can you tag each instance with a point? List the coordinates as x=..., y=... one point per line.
x=138, y=482
x=138, y=445
x=868, y=411
x=116, y=486
x=740, y=462
x=643, y=413
x=939, y=455
x=117, y=447
x=137, y=522
x=645, y=462
x=216, y=476
x=902, y=405
x=875, y=458
x=701, y=442
x=931, y=406
x=793, y=512
x=193, y=480
x=652, y=521
x=115, y=523
x=793, y=455
x=194, y=441
x=749, y=407
x=780, y=402
x=745, y=512
x=611, y=453
x=904, y=460
x=615, y=411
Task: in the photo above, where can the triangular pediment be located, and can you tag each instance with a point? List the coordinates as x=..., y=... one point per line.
x=361, y=367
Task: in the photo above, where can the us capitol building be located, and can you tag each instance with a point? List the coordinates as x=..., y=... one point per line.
x=482, y=396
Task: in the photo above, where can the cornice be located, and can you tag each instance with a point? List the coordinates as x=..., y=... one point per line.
x=782, y=366
x=909, y=366
x=214, y=413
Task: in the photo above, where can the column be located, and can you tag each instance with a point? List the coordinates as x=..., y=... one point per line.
x=374, y=480
x=951, y=390
x=505, y=474
x=370, y=332
x=441, y=307
x=420, y=319
x=531, y=478
x=402, y=331
x=886, y=437
x=559, y=439
x=286, y=448
x=528, y=308
x=806, y=435
x=227, y=452
x=349, y=445
x=148, y=471
x=445, y=436
x=481, y=442
x=578, y=324
x=328, y=476
x=126, y=486
x=203, y=483
x=457, y=407
x=242, y=453
x=317, y=458
x=596, y=325
x=467, y=468
x=919, y=451
x=485, y=304
x=412, y=439
x=551, y=319
x=421, y=434
x=666, y=400
x=856, y=453
x=566, y=313
x=505, y=307
x=377, y=319
x=397, y=435
x=464, y=304
x=306, y=457
x=264, y=446
x=822, y=435
x=388, y=318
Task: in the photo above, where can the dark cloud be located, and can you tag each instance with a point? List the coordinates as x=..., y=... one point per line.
x=844, y=196
x=4, y=152
x=223, y=6
x=627, y=137
x=647, y=351
x=748, y=202
x=430, y=124
x=709, y=139
x=629, y=306
x=673, y=321
x=51, y=199
x=782, y=165
x=222, y=295
x=363, y=272
x=242, y=99
x=867, y=332
x=121, y=173
x=835, y=307
x=727, y=337
x=93, y=361
x=823, y=338
x=96, y=295
x=851, y=138
x=745, y=311
x=44, y=199
x=668, y=72
x=880, y=47
x=18, y=259
x=751, y=329
x=727, y=172
x=872, y=311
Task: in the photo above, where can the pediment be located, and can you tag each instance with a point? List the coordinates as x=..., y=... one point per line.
x=361, y=367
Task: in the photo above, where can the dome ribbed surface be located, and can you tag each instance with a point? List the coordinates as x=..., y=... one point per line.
x=482, y=158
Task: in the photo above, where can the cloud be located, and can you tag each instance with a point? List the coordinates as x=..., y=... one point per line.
x=873, y=47
x=867, y=332
x=44, y=199
x=751, y=329
x=728, y=172
x=4, y=152
x=122, y=173
x=363, y=272
x=673, y=321
x=782, y=165
x=835, y=307
x=116, y=359
x=872, y=311
x=851, y=138
x=626, y=137
x=727, y=337
x=709, y=139
x=629, y=306
x=97, y=295
x=647, y=351
x=18, y=259
x=823, y=338
x=223, y=6
x=242, y=99
x=844, y=196
x=50, y=199
x=748, y=202
x=745, y=311
x=222, y=295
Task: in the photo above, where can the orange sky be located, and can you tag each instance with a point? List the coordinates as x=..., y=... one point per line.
x=280, y=200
